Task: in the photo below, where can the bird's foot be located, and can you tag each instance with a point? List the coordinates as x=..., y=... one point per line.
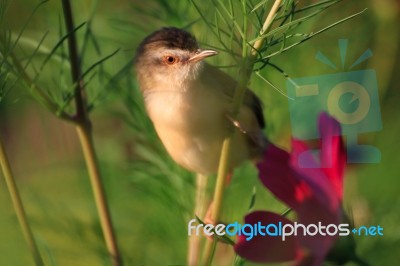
x=256, y=137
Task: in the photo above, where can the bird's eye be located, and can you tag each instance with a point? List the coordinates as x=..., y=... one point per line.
x=170, y=60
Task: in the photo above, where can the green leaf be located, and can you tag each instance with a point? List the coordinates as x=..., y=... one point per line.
x=252, y=199
x=311, y=35
x=59, y=43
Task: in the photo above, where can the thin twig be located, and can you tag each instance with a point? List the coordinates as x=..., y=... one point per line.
x=199, y=211
x=244, y=76
x=84, y=131
x=86, y=139
x=18, y=206
x=270, y=18
x=80, y=97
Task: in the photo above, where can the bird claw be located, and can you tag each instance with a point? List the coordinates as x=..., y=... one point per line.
x=236, y=124
x=254, y=137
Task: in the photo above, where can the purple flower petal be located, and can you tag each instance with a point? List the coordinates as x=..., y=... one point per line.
x=267, y=249
x=315, y=192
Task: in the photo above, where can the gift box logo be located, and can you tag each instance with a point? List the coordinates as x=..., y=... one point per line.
x=351, y=97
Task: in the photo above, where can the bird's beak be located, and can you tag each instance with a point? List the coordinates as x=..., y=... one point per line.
x=201, y=54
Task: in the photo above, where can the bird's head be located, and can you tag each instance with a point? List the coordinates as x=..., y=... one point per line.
x=169, y=57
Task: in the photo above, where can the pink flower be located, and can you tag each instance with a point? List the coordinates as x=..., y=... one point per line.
x=312, y=188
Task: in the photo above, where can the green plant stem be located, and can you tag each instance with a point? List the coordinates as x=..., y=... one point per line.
x=86, y=140
x=218, y=197
x=84, y=130
x=199, y=211
x=18, y=206
x=244, y=77
x=267, y=24
x=80, y=97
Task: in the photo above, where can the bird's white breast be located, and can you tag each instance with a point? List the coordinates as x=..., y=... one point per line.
x=192, y=125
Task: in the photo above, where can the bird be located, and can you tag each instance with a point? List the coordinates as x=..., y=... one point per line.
x=189, y=103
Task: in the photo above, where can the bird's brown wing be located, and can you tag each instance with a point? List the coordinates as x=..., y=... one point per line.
x=228, y=86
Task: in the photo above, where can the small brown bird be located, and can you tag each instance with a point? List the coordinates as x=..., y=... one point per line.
x=189, y=103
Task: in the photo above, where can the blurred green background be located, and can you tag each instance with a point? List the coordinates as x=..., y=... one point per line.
x=151, y=198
